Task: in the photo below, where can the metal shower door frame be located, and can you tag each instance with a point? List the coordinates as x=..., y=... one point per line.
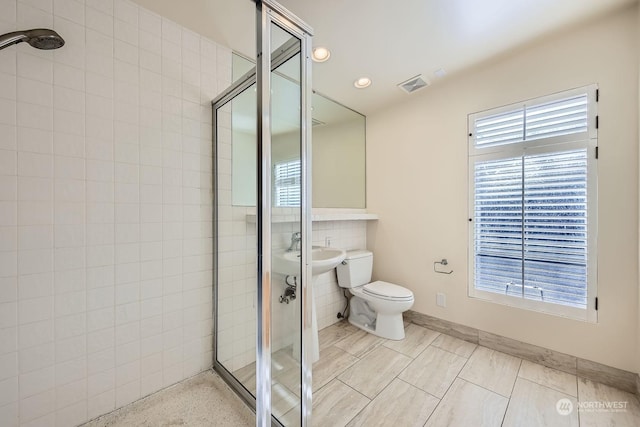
x=268, y=13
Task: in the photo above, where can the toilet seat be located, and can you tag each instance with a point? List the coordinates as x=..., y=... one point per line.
x=387, y=291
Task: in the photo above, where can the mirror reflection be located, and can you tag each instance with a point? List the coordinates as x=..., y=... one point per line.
x=338, y=157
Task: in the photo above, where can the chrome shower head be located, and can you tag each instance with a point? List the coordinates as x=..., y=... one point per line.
x=45, y=39
x=39, y=38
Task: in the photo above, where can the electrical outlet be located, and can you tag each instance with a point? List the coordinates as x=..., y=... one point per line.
x=441, y=299
x=327, y=242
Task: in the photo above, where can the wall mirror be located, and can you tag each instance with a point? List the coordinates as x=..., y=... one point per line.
x=338, y=136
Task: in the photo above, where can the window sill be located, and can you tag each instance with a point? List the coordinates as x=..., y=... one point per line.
x=589, y=314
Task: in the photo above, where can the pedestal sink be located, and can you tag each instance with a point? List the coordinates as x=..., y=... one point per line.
x=323, y=259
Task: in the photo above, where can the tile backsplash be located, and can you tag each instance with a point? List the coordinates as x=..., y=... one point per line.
x=346, y=235
x=105, y=208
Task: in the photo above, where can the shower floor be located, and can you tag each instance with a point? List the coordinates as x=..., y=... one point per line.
x=428, y=379
x=204, y=400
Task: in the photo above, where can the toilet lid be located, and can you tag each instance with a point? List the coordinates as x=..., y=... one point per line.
x=387, y=290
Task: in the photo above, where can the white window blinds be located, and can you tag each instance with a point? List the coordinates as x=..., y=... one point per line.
x=532, y=121
x=533, y=203
x=287, y=183
x=503, y=128
x=557, y=118
x=531, y=227
x=498, y=224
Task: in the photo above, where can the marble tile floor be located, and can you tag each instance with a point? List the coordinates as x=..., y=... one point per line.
x=428, y=379
x=435, y=380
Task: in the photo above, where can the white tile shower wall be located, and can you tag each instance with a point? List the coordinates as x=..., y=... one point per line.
x=105, y=208
x=236, y=339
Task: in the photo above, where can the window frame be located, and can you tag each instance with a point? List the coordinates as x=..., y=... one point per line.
x=276, y=200
x=583, y=140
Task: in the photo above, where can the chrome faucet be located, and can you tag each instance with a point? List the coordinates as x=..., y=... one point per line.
x=296, y=238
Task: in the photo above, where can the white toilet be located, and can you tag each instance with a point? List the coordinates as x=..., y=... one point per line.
x=376, y=307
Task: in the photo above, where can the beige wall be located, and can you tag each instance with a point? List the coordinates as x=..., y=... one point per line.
x=339, y=165
x=420, y=190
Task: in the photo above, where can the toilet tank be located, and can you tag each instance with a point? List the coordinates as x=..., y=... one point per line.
x=356, y=269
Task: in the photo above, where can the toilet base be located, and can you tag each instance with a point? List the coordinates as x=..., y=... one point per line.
x=389, y=326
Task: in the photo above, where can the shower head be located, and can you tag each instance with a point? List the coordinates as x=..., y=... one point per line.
x=39, y=38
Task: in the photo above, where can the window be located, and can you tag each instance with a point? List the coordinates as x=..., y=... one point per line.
x=533, y=200
x=287, y=183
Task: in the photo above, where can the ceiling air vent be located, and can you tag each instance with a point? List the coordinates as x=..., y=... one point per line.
x=316, y=122
x=413, y=84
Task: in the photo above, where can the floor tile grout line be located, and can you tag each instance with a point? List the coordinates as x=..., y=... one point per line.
x=399, y=352
x=493, y=351
x=418, y=355
x=422, y=351
x=484, y=388
x=452, y=352
x=544, y=386
x=337, y=340
x=450, y=385
x=414, y=360
x=515, y=379
x=370, y=399
x=504, y=416
x=345, y=368
x=396, y=376
x=361, y=410
x=578, y=398
x=366, y=353
x=418, y=388
x=466, y=357
x=336, y=379
x=426, y=391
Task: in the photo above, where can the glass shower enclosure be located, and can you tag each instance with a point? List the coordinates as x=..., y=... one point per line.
x=262, y=210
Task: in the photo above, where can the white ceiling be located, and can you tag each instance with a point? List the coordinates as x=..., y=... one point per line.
x=392, y=41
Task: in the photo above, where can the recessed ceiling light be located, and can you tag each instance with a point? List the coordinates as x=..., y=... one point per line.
x=362, y=82
x=320, y=54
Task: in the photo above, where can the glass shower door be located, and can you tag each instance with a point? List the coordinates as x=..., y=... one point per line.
x=262, y=225
x=284, y=141
x=235, y=240
x=286, y=227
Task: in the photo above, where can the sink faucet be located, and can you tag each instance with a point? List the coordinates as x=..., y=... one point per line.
x=295, y=242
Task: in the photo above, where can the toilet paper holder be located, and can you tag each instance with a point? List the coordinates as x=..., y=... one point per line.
x=443, y=261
